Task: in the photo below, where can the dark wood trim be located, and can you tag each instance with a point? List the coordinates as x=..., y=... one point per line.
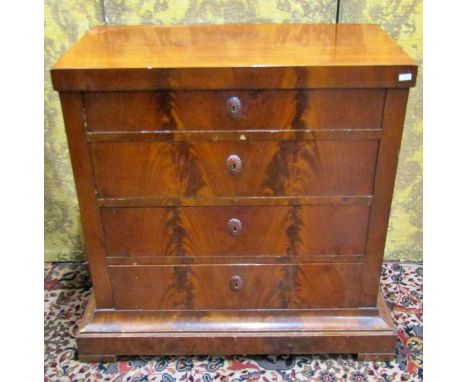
x=83, y=171
x=235, y=201
x=242, y=135
x=232, y=78
x=387, y=161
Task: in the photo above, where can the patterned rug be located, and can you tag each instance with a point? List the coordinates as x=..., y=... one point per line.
x=67, y=288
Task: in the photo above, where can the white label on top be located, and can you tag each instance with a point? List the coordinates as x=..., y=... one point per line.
x=405, y=77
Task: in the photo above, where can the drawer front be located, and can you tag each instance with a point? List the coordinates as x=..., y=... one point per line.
x=234, y=168
x=236, y=286
x=232, y=110
x=236, y=231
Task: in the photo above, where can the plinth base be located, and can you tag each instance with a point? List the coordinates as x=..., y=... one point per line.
x=367, y=332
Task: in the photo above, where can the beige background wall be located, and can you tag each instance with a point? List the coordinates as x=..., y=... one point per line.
x=67, y=20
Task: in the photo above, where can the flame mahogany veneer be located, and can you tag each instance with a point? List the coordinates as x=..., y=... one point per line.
x=235, y=184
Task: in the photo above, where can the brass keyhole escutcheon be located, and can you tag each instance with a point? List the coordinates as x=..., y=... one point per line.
x=234, y=164
x=233, y=107
x=235, y=227
x=236, y=283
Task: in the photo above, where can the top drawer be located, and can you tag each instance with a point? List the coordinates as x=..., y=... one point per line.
x=234, y=110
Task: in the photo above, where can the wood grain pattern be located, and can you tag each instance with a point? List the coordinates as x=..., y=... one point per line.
x=183, y=169
x=387, y=161
x=189, y=343
x=233, y=56
x=258, y=110
x=321, y=200
x=266, y=231
x=200, y=287
x=235, y=135
x=233, y=45
x=320, y=77
x=237, y=259
x=200, y=321
x=72, y=108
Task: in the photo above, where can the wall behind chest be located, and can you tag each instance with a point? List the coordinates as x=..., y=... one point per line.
x=67, y=20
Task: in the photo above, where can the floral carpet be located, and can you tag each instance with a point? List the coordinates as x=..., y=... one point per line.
x=67, y=288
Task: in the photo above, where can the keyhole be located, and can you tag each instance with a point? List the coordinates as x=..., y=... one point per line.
x=233, y=107
x=234, y=227
x=236, y=283
x=234, y=164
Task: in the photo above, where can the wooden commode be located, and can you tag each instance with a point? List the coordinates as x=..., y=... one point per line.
x=235, y=184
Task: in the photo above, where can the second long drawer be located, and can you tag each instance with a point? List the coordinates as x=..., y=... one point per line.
x=234, y=168
x=236, y=231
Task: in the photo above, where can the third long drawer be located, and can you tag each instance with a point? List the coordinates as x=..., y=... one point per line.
x=236, y=231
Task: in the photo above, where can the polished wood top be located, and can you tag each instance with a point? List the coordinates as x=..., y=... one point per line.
x=230, y=45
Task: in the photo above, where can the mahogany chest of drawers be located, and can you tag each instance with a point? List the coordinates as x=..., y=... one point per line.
x=235, y=185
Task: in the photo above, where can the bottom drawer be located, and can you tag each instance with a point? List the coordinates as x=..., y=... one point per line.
x=276, y=286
